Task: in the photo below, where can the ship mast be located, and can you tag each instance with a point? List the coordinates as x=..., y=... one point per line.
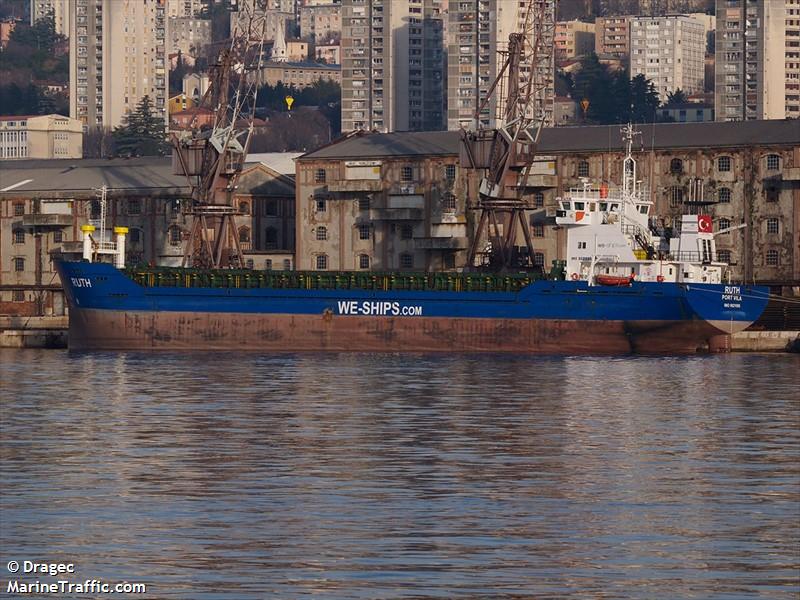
x=507, y=152
x=212, y=157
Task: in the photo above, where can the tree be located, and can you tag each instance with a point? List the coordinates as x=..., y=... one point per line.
x=677, y=97
x=142, y=133
x=644, y=100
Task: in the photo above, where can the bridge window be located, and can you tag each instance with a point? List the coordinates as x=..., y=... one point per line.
x=580, y=205
x=643, y=209
x=772, y=258
x=724, y=195
x=322, y=262
x=322, y=233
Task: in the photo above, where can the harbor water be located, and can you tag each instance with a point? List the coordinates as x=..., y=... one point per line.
x=243, y=476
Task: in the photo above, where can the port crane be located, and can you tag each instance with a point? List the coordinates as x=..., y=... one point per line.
x=507, y=151
x=211, y=156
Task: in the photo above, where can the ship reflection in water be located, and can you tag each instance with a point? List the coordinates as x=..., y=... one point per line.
x=375, y=476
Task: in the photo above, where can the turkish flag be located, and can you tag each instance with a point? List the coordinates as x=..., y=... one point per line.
x=704, y=224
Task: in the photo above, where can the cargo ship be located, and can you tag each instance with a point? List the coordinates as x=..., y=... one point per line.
x=625, y=287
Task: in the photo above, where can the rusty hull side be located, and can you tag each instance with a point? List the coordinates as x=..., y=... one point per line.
x=92, y=329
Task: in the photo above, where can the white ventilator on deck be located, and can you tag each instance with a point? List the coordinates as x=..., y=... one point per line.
x=610, y=235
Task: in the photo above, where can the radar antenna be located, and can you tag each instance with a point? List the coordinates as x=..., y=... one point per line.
x=212, y=157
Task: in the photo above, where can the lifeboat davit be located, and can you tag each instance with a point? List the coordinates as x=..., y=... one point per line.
x=613, y=280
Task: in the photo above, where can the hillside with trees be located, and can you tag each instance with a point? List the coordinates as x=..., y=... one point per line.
x=33, y=67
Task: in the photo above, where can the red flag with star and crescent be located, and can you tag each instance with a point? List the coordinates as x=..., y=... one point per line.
x=704, y=223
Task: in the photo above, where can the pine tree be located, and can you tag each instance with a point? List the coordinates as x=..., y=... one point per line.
x=676, y=97
x=644, y=100
x=142, y=133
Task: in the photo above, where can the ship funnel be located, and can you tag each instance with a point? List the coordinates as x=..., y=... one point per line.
x=119, y=257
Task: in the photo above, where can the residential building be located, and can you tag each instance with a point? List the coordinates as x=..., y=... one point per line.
x=188, y=35
x=60, y=10
x=40, y=136
x=195, y=85
x=792, y=34
x=321, y=23
x=184, y=8
x=751, y=59
x=118, y=54
x=392, y=57
x=331, y=54
x=299, y=74
x=573, y=39
x=612, y=36
x=689, y=112
x=296, y=51
x=477, y=36
x=670, y=51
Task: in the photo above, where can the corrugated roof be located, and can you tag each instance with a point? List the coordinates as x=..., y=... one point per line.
x=660, y=136
x=65, y=177
x=282, y=162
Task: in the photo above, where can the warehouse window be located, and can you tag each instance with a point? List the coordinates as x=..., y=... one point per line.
x=322, y=262
x=772, y=258
x=322, y=233
x=449, y=202
x=244, y=208
x=268, y=264
x=450, y=172
x=321, y=205
x=406, y=174
x=244, y=235
x=538, y=200
x=58, y=236
x=287, y=264
x=19, y=264
x=583, y=168
x=363, y=261
x=724, y=224
x=319, y=176
x=363, y=203
x=175, y=236
x=134, y=207
x=19, y=209
x=538, y=259
x=773, y=162
x=271, y=208
x=363, y=232
x=724, y=256
x=270, y=238
x=724, y=195
x=538, y=230
x=406, y=232
x=406, y=261
x=676, y=166
x=772, y=225
x=19, y=236
x=724, y=164
x=675, y=195
x=18, y=296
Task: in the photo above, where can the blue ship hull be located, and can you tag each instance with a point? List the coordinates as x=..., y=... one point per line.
x=108, y=310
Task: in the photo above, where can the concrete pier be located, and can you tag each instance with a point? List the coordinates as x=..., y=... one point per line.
x=765, y=341
x=33, y=332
